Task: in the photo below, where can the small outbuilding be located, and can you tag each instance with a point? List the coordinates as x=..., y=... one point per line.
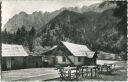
x=13, y=56
x=66, y=53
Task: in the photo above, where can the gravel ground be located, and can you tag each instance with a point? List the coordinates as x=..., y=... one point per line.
x=28, y=73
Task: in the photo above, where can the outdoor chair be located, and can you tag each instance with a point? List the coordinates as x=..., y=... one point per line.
x=67, y=75
x=111, y=64
x=104, y=68
x=99, y=67
x=63, y=75
x=75, y=74
x=115, y=69
x=99, y=75
x=79, y=73
x=109, y=69
x=85, y=72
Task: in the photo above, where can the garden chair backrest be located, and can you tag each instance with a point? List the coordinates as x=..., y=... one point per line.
x=79, y=70
x=98, y=66
x=62, y=73
x=104, y=66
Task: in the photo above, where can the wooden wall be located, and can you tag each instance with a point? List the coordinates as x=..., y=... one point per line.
x=21, y=62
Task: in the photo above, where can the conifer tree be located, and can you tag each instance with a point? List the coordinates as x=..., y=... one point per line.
x=31, y=39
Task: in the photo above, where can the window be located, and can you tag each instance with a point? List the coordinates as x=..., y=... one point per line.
x=79, y=59
x=64, y=59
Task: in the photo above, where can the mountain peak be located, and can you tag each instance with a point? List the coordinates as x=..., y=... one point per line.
x=65, y=11
x=36, y=12
x=22, y=13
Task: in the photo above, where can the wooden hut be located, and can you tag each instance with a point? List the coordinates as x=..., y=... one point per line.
x=13, y=56
x=66, y=53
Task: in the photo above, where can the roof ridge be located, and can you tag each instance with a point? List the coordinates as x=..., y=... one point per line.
x=73, y=43
x=11, y=44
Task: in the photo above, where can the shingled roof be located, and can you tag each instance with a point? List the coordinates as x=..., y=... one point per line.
x=11, y=50
x=78, y=50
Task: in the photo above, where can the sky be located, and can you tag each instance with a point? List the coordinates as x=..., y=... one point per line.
x=10, y=8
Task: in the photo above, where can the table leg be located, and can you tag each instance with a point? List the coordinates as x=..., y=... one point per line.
x=101, y=69
x=91, y=73
x=69, y=74
x=82, y=72
x=107, y=69
x=76, y=74
x=95, y=72
x=87, y=72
